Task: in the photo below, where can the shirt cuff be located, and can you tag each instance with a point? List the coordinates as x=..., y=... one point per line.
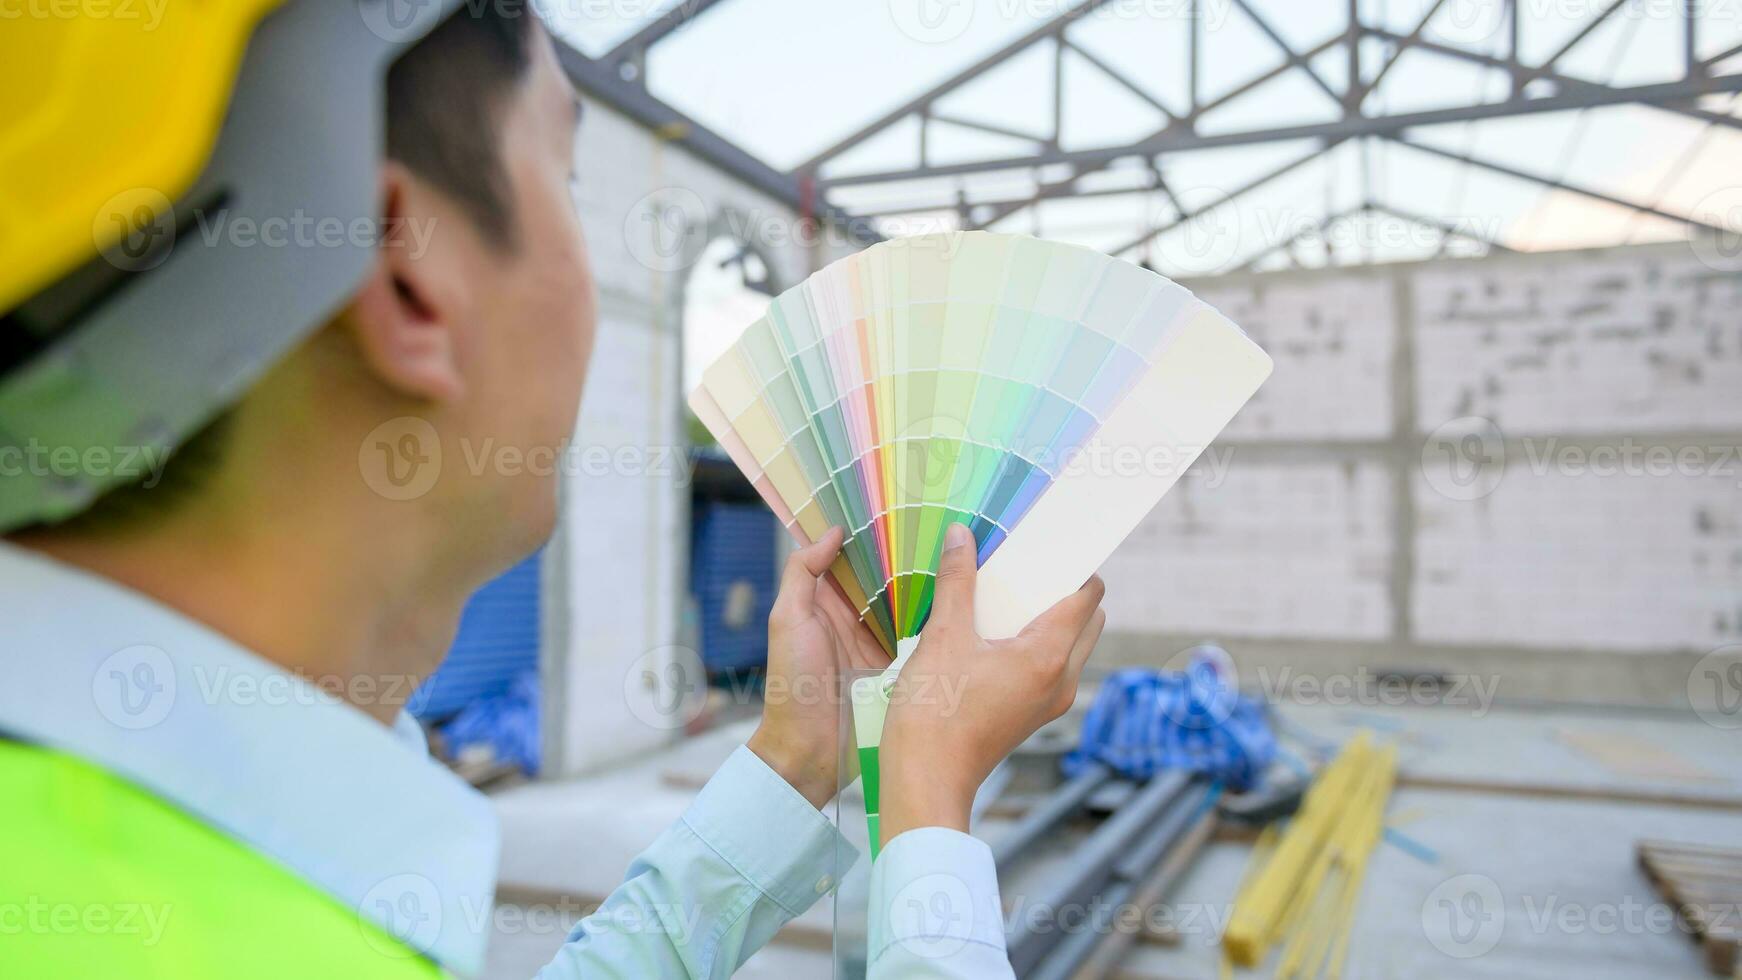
x=933, y=892
x=769, y=833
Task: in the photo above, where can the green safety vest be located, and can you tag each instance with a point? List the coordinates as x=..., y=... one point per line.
x=101, y=879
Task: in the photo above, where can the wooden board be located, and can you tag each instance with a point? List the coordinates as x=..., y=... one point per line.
x=1704, y=885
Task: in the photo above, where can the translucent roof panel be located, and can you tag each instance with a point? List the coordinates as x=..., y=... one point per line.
x=791, y=80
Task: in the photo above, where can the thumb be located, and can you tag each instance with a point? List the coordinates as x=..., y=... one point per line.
x=953, y=600
x=798, y=582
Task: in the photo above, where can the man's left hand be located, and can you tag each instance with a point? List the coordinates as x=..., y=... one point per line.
x=812, y=638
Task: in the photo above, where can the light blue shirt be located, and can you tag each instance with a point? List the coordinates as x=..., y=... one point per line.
x=279, y=762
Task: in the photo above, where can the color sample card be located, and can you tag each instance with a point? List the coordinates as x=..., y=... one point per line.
x=957, y=379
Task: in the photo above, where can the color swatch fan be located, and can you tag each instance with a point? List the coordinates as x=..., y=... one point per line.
x=1043, y=394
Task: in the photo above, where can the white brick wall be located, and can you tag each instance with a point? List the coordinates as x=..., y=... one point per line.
x=1592, y=366
x=1560, y=559
x=1275, y=550
x=1333, y=341
x=1579, y=344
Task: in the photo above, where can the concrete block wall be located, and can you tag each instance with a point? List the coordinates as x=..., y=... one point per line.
x=1338, y=338
x=1527, y=463
x=1283, y=549
x=1602, y=343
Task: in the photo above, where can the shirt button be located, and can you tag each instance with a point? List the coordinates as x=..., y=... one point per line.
x=823, y=884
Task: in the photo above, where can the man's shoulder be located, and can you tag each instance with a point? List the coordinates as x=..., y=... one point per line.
x=103, y=877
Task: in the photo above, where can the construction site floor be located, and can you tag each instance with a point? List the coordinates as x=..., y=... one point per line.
x=1512, y=849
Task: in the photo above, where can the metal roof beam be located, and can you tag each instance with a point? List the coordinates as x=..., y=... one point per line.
x=1696, y=84
x=916, y=104
x=604, y=82
x=1227, y=198
x=1440, y=226
x=1291, y=241
x=634, y=47
x=1729, y=52
x=1116, y=75
x=1179, y=137
x=1065, y=187
x=1294, y=58
x=984, y=127
x=1409, y=39
x=1555, y=183
x=1584, y=32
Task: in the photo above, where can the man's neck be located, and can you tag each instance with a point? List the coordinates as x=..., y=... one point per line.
x=367, y=624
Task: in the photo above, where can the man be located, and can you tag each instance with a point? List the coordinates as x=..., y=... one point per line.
x=181, y=798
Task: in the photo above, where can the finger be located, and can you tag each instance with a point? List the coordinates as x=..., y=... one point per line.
x=861, y=650
x=952, y=605
x=1084, y=646
x=798, y=583
x=1065, y=621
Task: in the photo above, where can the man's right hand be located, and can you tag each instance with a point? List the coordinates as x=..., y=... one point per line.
x=963, y=703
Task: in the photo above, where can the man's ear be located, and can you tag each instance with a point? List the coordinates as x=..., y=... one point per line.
x=410, y=312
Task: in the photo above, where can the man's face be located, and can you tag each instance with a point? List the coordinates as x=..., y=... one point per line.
x=537, y=310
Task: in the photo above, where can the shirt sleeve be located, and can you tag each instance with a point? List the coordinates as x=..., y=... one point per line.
x=934, y=910
x=748, y=855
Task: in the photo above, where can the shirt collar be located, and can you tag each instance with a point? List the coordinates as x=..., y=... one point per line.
x=101, y=672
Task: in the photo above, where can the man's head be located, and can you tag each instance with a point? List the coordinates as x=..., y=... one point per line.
x=476, y=319
x=487, y=332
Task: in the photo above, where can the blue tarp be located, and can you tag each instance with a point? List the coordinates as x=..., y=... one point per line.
x=1143, y=721
x=508, y=723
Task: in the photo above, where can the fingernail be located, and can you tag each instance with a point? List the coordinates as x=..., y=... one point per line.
x=958, y=536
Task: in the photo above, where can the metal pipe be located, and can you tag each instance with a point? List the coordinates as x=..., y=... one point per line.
x=1151, y=892
x=1063, y=802
x=1149, y=850
x=1094, y=861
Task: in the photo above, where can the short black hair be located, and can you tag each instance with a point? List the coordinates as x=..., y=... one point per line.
x=444, y=100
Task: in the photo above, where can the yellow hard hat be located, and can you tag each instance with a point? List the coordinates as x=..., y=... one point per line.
x=98, y=109
x=129, y=131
